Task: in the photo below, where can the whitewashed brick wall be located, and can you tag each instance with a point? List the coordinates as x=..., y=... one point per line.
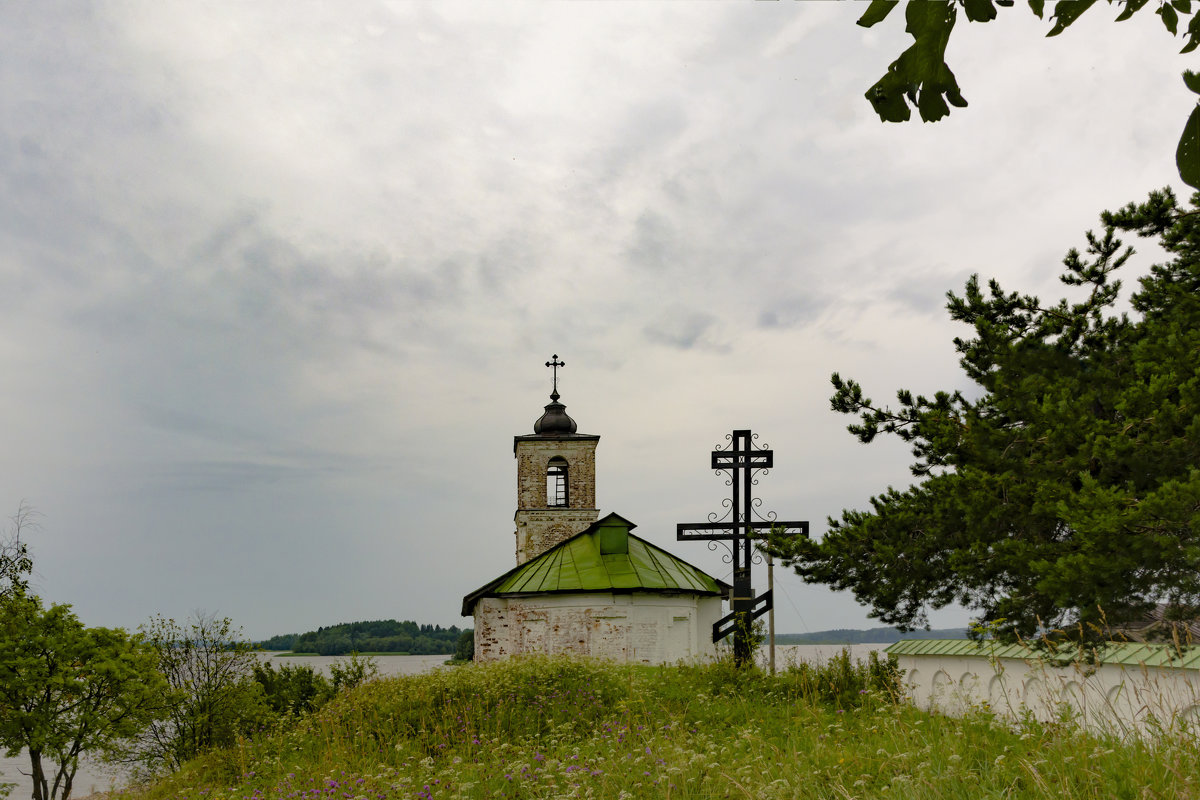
x=1118, y=699
x=642, y=627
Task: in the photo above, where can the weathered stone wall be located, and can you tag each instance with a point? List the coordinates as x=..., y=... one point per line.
x=538, y=527
x=642, y=627
x=1115, y=699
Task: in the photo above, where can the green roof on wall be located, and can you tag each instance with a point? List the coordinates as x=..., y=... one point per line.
x=605, y=557
x=1129, y=653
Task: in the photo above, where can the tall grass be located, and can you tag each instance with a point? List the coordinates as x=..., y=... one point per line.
x=558, y=728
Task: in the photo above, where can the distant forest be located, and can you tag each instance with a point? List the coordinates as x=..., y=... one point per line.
x=872, y=636
x=379, y=636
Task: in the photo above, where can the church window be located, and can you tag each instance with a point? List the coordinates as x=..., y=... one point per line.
x=556, y=482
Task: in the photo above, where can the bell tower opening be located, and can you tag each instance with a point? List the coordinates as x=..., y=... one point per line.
x=556, y=483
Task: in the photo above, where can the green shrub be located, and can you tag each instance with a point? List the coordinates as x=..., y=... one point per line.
x=293, y=688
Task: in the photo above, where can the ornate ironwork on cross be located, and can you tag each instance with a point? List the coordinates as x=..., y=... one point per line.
x=554, y=363
x=736, y=529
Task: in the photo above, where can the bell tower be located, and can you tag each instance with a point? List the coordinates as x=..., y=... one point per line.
x=556, y=479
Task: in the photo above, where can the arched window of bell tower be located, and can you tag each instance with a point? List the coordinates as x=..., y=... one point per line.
x=556, y=483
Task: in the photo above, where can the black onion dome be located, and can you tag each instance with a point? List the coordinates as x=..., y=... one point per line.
x=555, y=420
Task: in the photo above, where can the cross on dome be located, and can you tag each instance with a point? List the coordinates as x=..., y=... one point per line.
x=555, y=364
x=555, y=421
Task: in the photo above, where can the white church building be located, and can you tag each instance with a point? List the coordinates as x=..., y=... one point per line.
x=583, y=584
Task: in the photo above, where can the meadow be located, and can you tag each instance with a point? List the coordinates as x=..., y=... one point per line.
x=562, y=728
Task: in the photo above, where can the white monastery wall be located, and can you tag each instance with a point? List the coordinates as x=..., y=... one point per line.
x=641, y=627
x=1119, y=699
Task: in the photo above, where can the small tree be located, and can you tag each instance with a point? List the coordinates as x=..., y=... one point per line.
x=15, y=562
x=293, y=688
x=464, y=648
x=354, y=671
x=211, y=693
x=66, y=689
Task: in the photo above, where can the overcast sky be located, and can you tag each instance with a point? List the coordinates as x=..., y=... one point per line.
x=280, y=279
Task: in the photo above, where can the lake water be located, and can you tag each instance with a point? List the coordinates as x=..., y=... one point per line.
x=93, y=777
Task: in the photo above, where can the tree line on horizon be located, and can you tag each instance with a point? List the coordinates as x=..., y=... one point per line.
x=372, y=636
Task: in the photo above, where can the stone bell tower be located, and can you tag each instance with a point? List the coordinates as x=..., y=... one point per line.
x=556, y=479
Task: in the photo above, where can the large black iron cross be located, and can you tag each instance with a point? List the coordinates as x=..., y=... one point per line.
x=738, y=527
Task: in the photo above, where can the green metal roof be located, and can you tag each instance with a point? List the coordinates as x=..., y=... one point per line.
x=1129, y=653
x=605, y=557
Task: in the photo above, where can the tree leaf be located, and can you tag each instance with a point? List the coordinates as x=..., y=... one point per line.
x=1169, y=17
x=887, y=98
x=1066, y=12
x=1182, y=6
x=1131, y=8
x=979, y=10
x=1192, y=80
x=1037, y=7
x=930, y=24
x=1187, y=156
x=877, y=11
x=920, y=75
x=1193, y=35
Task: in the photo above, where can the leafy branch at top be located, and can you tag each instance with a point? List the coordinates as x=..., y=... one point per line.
x=921, y=77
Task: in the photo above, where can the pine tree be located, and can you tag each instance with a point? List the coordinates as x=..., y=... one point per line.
x=1065, y=500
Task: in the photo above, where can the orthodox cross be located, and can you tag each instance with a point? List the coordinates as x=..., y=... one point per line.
x=555, y=364
x=736, y=530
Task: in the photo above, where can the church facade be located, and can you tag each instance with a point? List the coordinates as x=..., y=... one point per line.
x=583, y=584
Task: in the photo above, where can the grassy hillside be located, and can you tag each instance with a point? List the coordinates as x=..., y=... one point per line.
x=564, y=729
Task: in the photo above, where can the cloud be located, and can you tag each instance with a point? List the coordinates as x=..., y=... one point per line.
x=791, y=312
x=686, y=330
x=281, y=271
